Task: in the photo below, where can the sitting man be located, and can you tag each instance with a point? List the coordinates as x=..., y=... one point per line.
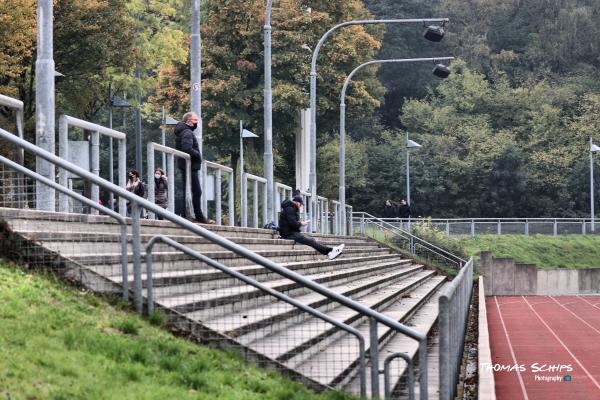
x=290, y=224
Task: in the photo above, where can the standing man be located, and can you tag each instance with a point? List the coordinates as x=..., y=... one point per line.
x=290, y=224
x=186, y=141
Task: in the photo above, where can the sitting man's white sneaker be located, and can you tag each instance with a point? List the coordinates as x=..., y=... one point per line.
x=336, y=251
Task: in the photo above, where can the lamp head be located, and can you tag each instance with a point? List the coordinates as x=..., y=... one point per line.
x=434, y=33
x=594, y=148
x=441, y=71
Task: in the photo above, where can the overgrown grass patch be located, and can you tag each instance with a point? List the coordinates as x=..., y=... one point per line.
x=60, y=343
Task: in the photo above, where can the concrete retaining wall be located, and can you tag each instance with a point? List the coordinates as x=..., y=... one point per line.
x=503, y=276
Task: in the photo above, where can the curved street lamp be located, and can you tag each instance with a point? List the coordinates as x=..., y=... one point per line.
x=431, y=33
x=342, y=166
x=268, y=113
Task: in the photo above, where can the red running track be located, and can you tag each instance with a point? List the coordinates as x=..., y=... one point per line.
x=545, y=347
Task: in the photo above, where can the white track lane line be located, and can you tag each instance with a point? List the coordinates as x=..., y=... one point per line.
x=512, y=352
x=576, y=316
x=589, y=302
x=563, y=344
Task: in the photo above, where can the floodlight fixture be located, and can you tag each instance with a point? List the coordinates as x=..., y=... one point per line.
x=441, y=71
x=434, y=33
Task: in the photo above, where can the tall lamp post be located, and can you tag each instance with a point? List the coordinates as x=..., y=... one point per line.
x=593, y=149
x=268, y=113
x=244, y=133
x=433, y=33
x=410, y=144
x=44, y=103
x=113, y=101
x=342, y=166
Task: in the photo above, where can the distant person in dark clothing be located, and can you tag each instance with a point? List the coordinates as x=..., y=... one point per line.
x=161, y=189
x=135, y=186
x=186, y=141
x=290, y=224
x=388, y=210
x=403, y=210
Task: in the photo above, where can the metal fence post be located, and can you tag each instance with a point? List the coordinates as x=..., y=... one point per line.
x=171, y=180
x=447, y=228
x=472, y=227
x=255, y=204
x=374, y=356
x=150, y=175
x=137, y=267
x=499, y=228
x=583, y=227
x=555, y=228
x=526, y=227
x=231, y=200
x=218, y=208
x=444, y=333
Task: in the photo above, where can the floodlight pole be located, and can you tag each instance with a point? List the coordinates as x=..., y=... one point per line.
x=407, y=172
x=196, y=74
x=111, y=178
x=342, y=155
x=592, y=226
x=313, y=99
x=268, y=114
x=44, y=103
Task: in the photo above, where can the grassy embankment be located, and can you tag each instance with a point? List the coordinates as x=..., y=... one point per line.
x=60, y=343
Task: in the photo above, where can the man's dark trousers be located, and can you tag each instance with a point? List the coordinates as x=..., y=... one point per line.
x=307, y=240
x=196, y=196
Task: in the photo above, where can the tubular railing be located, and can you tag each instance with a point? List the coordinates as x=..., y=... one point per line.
x=244, y=211
x=348, y=227
x=63, y=133
x=369, y=225
x=501, y=226
x=373, y=316
x=17, y=105
x=323, y=214
x=218, y=174
x=453, y=317
x=252, y=282
x=171, y=154
x=84, y=200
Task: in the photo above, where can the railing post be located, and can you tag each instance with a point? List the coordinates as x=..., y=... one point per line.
x=122, y=157
x=137, y=267
x=95, y=164
x=231, y=200
x=218, y=205
x=526, y=227
x=255, y=203
x=472, y=227
x=374, y=356
x=124, y=262
x=265, y=209
x=444, y=332
x=447, y=228
x=499, y=228
x=171, y=182
x=150, y=175
x=555, y=228
x=244, y=201
x=583, y=227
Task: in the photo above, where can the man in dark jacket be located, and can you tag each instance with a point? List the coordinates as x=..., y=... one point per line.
x=186, y=141
x=290, y=224
x=403, y=210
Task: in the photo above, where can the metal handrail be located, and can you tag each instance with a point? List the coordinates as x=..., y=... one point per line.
x=63, y=134
x=258, y=285
x=413, y=238
x=25, y=171
x=237, y=249
x=219, y=169
x=171, y=154
x=386, y=375
x=244, y=211
x=18, y=106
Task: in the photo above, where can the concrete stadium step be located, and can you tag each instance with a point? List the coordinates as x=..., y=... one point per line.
x=343, y=372
x=231, y=297
x=164, y=259
x=313, y=333
x=423, y=321
x=92, y=243
x=180, y=273
x=241, y=316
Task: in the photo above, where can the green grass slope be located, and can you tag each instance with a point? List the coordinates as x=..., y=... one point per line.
x=567, y=251
x=59, y=343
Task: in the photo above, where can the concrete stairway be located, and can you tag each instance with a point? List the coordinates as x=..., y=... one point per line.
x=217, y=305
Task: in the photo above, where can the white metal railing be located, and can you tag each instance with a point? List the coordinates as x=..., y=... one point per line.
x=336, y=221
x=244, y=200
x=17, y=106
x=65, y=122
x=218, y=171
x=322, y=214
x=501, y=226
x=171, y=154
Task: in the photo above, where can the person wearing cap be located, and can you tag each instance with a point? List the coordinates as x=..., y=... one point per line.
x=290, y=224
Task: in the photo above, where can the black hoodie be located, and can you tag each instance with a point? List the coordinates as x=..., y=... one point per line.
x=289, y=218
x=186, y=141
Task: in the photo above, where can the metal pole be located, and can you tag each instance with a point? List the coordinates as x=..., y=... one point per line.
x=171, y=182
x=111, y=177
x=592, y=226
x=196, y=73
x=137, y=266
x=95, y=153
x=313, y=96
x=163, y=141
x=138, y=130
x=407, y=173
x=44, y=103
x=374, y=355
x=268, y=115
x=243, y=210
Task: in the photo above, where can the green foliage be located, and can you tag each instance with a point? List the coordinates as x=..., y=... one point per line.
x=59, y=343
